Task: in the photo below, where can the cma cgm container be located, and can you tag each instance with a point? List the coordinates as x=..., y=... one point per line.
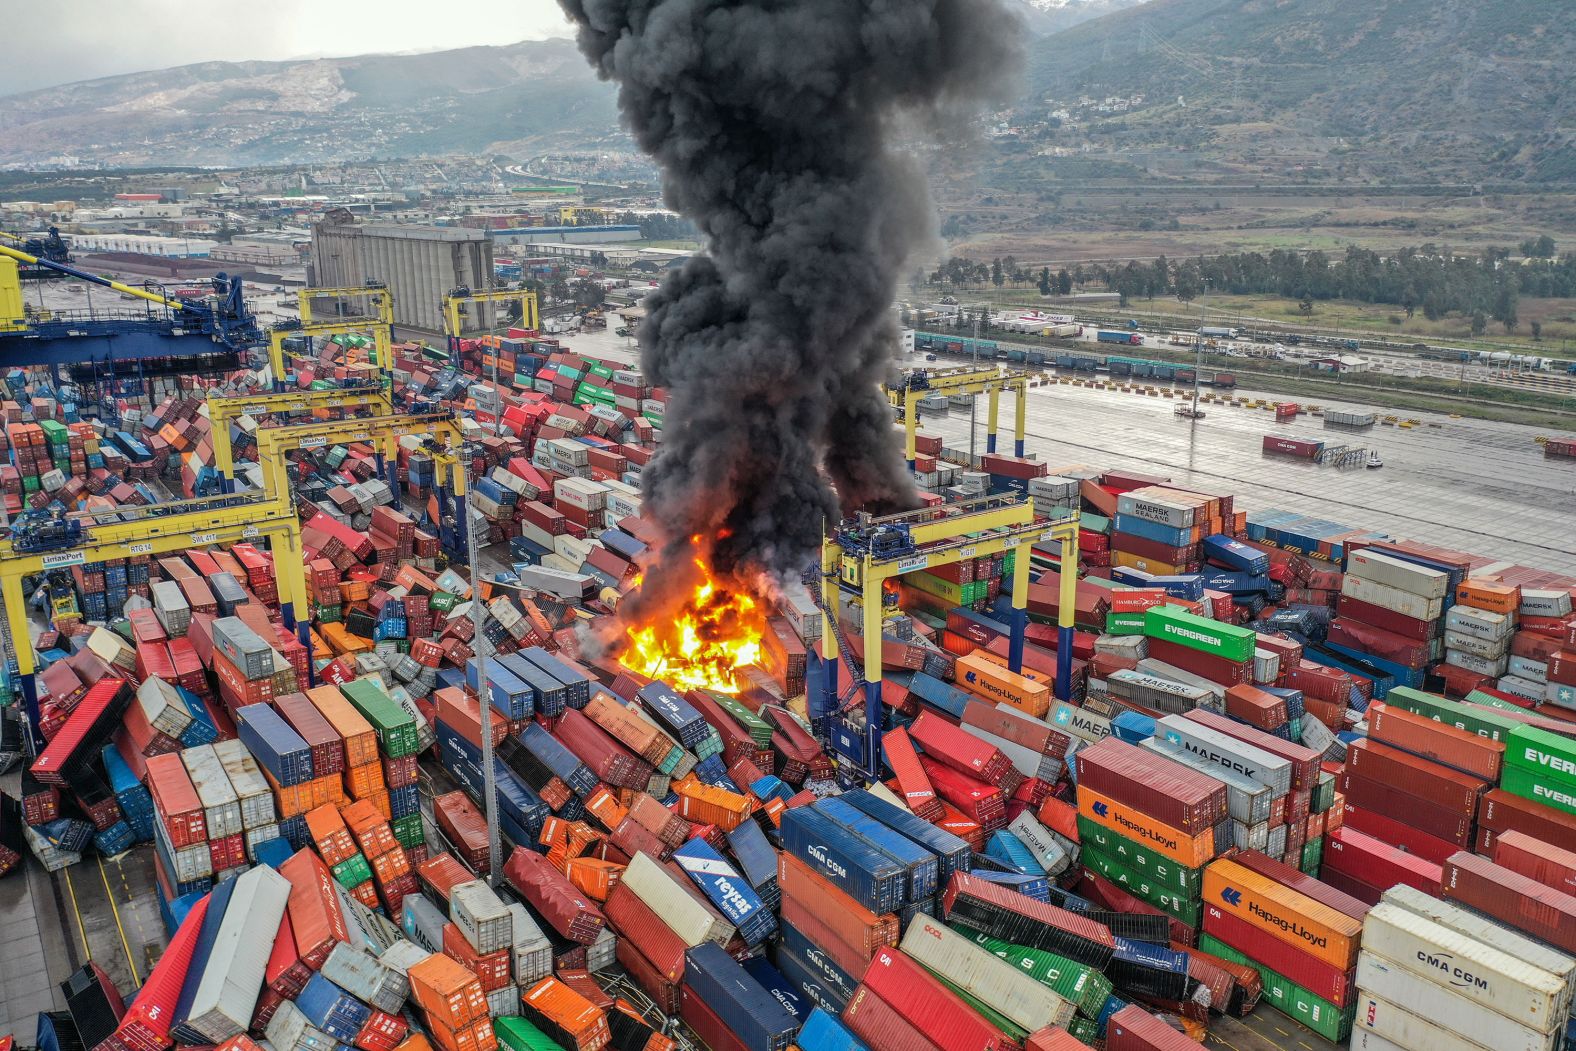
x=1388, y=980
x=756, y=1017
x=1300, y=448
x=866, y=874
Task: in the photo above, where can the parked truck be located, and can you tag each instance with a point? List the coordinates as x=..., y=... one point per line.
x=1218, y=333
x=1129, y=338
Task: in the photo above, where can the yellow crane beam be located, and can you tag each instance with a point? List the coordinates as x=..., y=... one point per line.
x=119, y=286
x=990, y=381
x=378, y=297
x=454, y=302
x=224, y=411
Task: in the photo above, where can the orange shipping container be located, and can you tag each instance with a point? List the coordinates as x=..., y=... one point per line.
x=595, y=878
x=992, y=682
x=1284, y=914
x=447, y=991
x=1490, y=595
x=570, y=1012
x=1192, y=851
x=361, y=742
x=330, y=834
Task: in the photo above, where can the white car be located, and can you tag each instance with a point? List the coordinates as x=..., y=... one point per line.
x=1373, y=460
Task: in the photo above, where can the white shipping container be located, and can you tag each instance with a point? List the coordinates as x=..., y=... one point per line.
x=1079, y=722
x=1053, y=857
x=1368, y=1040
x=227, y=994
x=1217, y=749
x=1175, y=674
x=1537, y=603
x=1467, y=968
x=1390, y=981
x=988, y=978
x=569, y=451
x=364, y=977
x=402, y=956
x=1488, y=649
x=163, y=707
x=257, y=836
x=573, y=548
x=1485, y=931
x=1393, y=599
x=1527, y=688
x=422, y=922
x=221, y=807
x=503, y=1003
x=289, y=1030
x=1135, y=647
x=1479, y=623
x=1155, y=509
x=1381, y=568
x=602, y=953
x=482, y=917
x=655, y=886
x=580, y=492
x=1152, y=691
x=1529, y=669
x=1266, y=667
x=1472, y=662
x=531, y=956
x=1026, y=761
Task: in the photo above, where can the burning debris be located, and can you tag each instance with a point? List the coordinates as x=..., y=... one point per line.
x=713, y=635
x=774, y=123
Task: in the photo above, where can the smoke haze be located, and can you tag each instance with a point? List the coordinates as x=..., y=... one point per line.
x=773, y=123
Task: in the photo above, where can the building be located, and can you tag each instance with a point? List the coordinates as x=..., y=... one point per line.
x=419, y=264
x=567, y=234
x=1343, y=363
x=142, y=244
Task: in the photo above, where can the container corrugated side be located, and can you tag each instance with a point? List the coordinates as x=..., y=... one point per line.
x=983, y=975
x=934, y=1009
x=1005, y=914
x=874, y=1020
x=1407, y=1029
x=920, y=864
x=1511, y=898
x=251, y=788
x=1466, y=967
x=221, y=806
x=227, y=996
x=1247, y=799
x=753, y=1013
x=1135, y=1029
x=1383, y=978
x=1221, y=750
x=952, y=854
x=1174, y=794
x=666, y=897
x=1284, y=914
x=869, y=876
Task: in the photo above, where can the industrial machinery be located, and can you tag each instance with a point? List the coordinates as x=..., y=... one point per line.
x=374, y=294
x=454, y=305
x=166, y=327
x=51, y=247
x=223, y=411
x=381, y=333
x=924, y=383
x=44, y=530
x=139, y=532
x=859, y=557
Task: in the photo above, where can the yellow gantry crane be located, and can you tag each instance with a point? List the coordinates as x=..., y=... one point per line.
x=224, y=411
x=864, y=553
x=922, y=383
x=454, y=303
x=376, y=296
x=382, y=342
x=148, y=531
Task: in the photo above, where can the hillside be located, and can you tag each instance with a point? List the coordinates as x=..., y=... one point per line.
x=1383, y=88
x=234, y=113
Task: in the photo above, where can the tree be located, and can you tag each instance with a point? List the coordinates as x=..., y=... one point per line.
x=1479, y=323
x=1537, y=329
x=1045, y=281
x=1305, y=306
x=1541, y=247
x=1188, y=284
x=1064, y=282
x=1505, y=305
x=996, y=276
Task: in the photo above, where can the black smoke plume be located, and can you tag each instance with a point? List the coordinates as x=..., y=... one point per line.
x=773, y=122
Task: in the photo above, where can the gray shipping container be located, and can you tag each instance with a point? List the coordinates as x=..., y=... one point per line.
x=1494, y=666
x=655, y=886
x=1217, y=692
x=171, y=607
x=1247, y=801
x=402, y=956
x=1398, y=573
x=983, y=975
x=246, y=778
x=289, y=1030
x=531, y=957
x=362, y=976
x=423, y=922
x=1221, y=750
x=1480, y=623
x=481, y=916
x=227, y=995
x=1152, y=691
x=1537, y=603
x=1394, y=599
x=163, y=707
x=252, y=656
x=1045, y=845
x=221, y=807
x=1488, y=649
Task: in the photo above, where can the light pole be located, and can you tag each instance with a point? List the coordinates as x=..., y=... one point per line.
x=483, y=690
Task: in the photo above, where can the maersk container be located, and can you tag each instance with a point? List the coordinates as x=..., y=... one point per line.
x=984, y=976
x=1248, y=801
x=1151, y=691
x=422, y=922
x=753, y=1014
x=227, y=996
x=869, y=876
x=1466, y=967
x=1218, y=749
x=1408, y=1029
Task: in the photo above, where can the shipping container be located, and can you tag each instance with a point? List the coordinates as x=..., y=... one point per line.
x=945, y=1019
x=665, y=896
x=227, y=995
x=1283, y=914
x=1009, y=916
x=1168, y=791
x=984, y=976
x=1511, y=898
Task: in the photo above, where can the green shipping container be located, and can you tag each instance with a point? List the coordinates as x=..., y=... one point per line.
x=1442, y=710
x=443, y=602
x=1080, y=985
x=1174, y=624
x=1190, y=909
x=601, y=370
x=352, y=872
x=953, y=594
x=1312, y=856
x=407, y=830
x=1479, y=697
x=1551, y=790
x=1323, y=794
x=1084, y=1030
x=1124, y=623
x=1153, y=867
x=517, y=1034
x=1551, y=756
x=759, y=729
x=395, y=728
x=1331, y=1022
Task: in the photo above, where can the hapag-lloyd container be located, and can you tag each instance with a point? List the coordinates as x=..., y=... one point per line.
x=984, y=976
x=1384, y=978
x=1284, y=914
x=1324, y=980
x=1168, y=791
x=1468, y=969
x=1192, y=851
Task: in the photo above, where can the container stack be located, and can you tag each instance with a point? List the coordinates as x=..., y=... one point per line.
x=1434, y=975
x=1393, y=609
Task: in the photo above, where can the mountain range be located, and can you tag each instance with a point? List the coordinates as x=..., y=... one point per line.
x=1378, y=88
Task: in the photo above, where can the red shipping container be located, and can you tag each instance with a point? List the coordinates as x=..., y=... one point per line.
x=1135, y=1029
x=981, y=803
x=286, y=973
x=315, y=914
x=931, y=1007
x=1397, y=833
x=635, y=922
x=1371, y=794
x=664, y=993
x=1420, y=735
x=1376, y=863
x=1320, y=978
x=918, y=792
x=550, y=893
x=1389, y=620
x=1511, y=898
x=441, y=874
x=1412, y=653
x=944, y=743
x=1174, y=794
x=713, y=1032
x=1537, y=860
x=146, y=1025
x=175, y=800
x=878, y=1024
x=1214, y=668
x=1256, y=707
x=328, y=748
x=1439, y=784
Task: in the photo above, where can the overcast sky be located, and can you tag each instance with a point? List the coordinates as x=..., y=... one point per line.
x=59, y=41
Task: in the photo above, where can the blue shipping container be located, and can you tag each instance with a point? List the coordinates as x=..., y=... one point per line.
x=275, y=746
x=867, y=875
x=753, y=1014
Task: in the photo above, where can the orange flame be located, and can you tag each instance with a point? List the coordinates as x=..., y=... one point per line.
x=706, y=645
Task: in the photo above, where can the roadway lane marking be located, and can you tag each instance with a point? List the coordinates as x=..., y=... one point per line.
x=136, y=979
x=81, y=929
